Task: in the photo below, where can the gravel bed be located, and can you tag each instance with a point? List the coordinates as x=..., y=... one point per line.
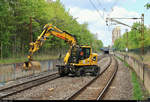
x=92, y=92
x=53, y=90
x=57, y=89
x=21, y=80
x=121, y=87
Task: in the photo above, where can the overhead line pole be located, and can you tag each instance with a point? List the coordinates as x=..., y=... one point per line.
x=142, y=33
x=127, y=40
x=142, y=28
x=112, y=19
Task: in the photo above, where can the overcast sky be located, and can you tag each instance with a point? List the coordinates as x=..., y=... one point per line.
x=84, y=11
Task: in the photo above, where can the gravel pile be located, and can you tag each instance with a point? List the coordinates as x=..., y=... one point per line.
x=57, y=89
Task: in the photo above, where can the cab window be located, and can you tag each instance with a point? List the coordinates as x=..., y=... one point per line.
x=84, y=53
x=87, y=53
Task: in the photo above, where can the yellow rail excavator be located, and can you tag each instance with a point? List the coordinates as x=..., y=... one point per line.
x=78, y=60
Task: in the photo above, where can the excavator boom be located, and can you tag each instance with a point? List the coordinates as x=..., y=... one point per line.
x=49, y=29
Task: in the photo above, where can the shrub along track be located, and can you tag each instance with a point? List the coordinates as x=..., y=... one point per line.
x=27, y=85
x=96, y=88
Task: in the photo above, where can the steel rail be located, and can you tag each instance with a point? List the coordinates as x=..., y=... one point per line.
x=13, y=89
x=89, y=83
x=104, y=91
x=26, y=85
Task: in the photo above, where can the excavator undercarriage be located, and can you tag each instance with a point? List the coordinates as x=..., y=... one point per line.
x=78, y=70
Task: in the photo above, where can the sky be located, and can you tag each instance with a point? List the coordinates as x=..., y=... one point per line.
x=96, y=15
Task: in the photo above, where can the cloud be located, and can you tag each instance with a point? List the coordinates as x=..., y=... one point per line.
x=97, y=23
x=85, y=15
x=122, y=12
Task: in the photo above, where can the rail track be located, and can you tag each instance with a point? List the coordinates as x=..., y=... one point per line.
x=90, y=91
x=26, y=85
x=104, y=91
x=16, y=88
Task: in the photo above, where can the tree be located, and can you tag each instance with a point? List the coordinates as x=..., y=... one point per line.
x=14, y=26
x=134, y=38
x=147, y=5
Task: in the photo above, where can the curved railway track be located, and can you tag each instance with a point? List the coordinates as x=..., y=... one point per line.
x=26, y=85
x=104, y=91
x=84, y=93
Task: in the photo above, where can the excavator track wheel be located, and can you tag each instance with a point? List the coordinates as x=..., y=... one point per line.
x=96, y=71
x=80, y=72
x=61, y=72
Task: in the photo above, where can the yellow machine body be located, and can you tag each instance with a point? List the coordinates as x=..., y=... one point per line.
x=91, y=59
x=76, y=57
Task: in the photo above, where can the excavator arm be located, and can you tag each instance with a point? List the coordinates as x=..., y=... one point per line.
x=49, y=30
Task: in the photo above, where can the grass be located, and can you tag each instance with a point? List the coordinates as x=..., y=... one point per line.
x=24, y=58
x=12, y=60
x=137, y=90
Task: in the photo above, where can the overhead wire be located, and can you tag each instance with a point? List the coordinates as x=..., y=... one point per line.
x=114, y=4
x=116, y=1
x=100, y=5
x=96, y=8
x=102, y=16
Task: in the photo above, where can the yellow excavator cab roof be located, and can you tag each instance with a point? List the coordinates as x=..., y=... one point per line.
x=85, y=46
x=95, y=54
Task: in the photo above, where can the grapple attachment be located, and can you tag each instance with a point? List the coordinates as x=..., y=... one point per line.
x=32, y=65
x=27, y=65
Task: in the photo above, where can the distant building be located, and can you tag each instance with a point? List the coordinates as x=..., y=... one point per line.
x=116, y=33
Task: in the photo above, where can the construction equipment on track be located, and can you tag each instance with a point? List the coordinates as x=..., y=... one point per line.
x=78, y=60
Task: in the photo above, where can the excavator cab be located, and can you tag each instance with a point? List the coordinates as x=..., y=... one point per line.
x=84, y=53
x=82, y=56
x=79, y=53
x=81, y=61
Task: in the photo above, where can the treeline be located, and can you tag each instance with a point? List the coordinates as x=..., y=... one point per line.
x=15, y=27
x=134, y=38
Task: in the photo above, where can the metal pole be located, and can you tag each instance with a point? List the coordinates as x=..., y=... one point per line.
x=127, y=38
x=142, y=48
x=126, y=44
x=142, y=32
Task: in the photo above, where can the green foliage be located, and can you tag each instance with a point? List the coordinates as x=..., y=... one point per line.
x=134, y=38
x=14, y=26
x=97, y=45
x=147, y=5
x=137, y=91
